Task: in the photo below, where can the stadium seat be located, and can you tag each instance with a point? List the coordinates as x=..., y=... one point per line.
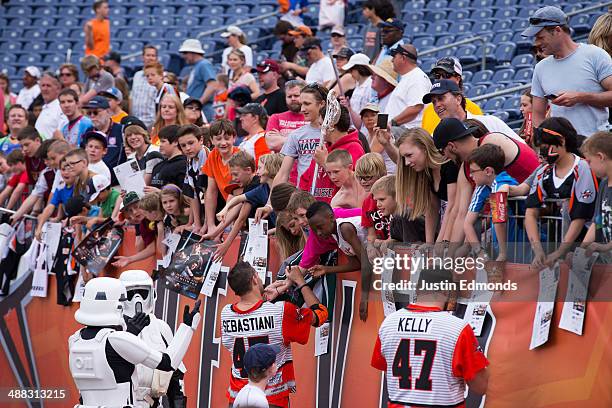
x=46, y=22
x=11, y=46
x=482, y=77
x=580, y=24
x=213, y=10
x=476, y=90
x=264, y=9
x=209, y=46
x=189, y=21
x=502, y=115
x=127, y=34
x=139, y=11
x=356, y=43
x=459, y=27
x=437, y=4
x=504, y=36
x=435, y=15
x=59, y=47
x=502, y=76
x=20, y=22
x=502, y=25
x=414, y=5
x=69, y=12
x=523, y=45
x=152, y=34
x=523, y=61
x=413, y=16
x=35, y=34
x=467, y=54
x=241, y=9
x=422, y=43
x=6, y=59
x=53, y=59
x=494, y=104
x=504, y=3
x=447, y=39
x=520, y=24
x=28, y=59
x=482, y=3
x=481, y=27
x=143, y=22
x=481, y=14
x=512, y=106
x=176, y=33
x=188, y=11
x=118, y=22
x=35, y=46
x=458, y=14
x=529, y=2
x=504, y=52
x=9, y=70
x=458, y=4
x=163, y=11
x=526, y=12
x=523, y=75
x=488, y=50
x=18, y=11
x=131, y=46
x=163, y=21
x=467, y=76
x=437, y=28
x=58, y=34
x=118, y=11
x=506, y=12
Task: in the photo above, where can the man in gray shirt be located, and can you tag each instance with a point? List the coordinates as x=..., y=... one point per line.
x=575, y=78
x=98, y=80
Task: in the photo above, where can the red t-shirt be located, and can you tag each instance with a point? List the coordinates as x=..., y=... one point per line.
x=34, y=167
x=372, y=217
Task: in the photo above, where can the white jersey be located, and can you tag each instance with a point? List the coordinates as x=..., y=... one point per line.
x=271, y=323
x=361, y=234
x=428, y=355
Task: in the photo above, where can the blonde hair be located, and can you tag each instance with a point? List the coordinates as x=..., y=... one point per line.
x=243, y=160
x=599, y=142
x=288, y=244
x=239, y=54
x=601, y=33
x=370, y=165
x=341, y=156
x=181, y=119
x=272, y=163
x=135, y=129
x=151, y=202
x=300, y=199
x=413, y=184
x=80, y=183
x=385, y=184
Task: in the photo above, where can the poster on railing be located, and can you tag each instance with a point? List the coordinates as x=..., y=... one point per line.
x=478, y=303
x=189, y=265
x=256, y=250
x=549, y=279
x=130, y=177
x=572, y=314
x=171, y=241
x=6, y=234
x=386, y=277
x=40, y=274
x=99, y=247
x=211, y=278
x=52, y=232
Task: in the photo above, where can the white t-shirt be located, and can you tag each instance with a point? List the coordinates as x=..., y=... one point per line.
x=100, y=168
x=495, y=125
x=27, y=95
x=248, y=57
x=362, y=95
x=409, y=92
x=321, y=72
x=251, y=396
x=51, y=118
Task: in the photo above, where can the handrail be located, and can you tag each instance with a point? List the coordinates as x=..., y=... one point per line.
x=6, y=210
x=587, y=9
x=500, y=92
x=461, y=42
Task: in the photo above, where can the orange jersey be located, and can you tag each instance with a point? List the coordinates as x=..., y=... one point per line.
x=215, y=168
x=101, y=38
x=273, y=323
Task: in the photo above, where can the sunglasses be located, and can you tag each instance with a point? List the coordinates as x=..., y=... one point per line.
x=441, y=75
x=69, y=165
x=65, y=74
x=538, y=21
x=93, y=112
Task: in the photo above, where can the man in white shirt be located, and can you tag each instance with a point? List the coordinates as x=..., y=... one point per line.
x=143, y=94
x=321, y=69
x=405, y=106
x=260, y=365
x=51, y=117
x=30, y=89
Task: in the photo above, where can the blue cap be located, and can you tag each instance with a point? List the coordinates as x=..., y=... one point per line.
x=260, y=356
x=549, y=16
x=112, y=93
x=97, y=102
x=392, y=23
x=441, y=87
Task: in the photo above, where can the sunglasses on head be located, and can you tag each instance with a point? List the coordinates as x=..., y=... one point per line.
x=538, y=21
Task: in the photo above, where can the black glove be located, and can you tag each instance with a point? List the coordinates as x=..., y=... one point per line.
x=188, y=316
x=137, y=323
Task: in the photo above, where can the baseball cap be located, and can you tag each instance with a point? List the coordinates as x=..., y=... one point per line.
x=112, y=93
x=74, y=206
x=232, y=30
x=267, y=65
x=451, y=129
x=252, y=108
x=302, y=30
x=130, y=198
x=373, y=107
x=338, y=31
x=97, y=102
x=345, y=52
x=133, y=120
x=97, y=184
x=548, y=16
x=113, y=56
x=440, y=88
x=240, y=93
x=392, y=23
x=260, y=356
x=356, y=59
x=402, y=49
x=190, y=101
x=33, y=71
x=312, y=42
x=192, y=45
x=94, y=134
x=385, y=70
x=450, y=65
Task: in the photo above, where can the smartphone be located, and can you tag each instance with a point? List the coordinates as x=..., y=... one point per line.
x=382, y=120
x=550, y=97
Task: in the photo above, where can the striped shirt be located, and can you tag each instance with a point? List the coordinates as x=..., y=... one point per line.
x=143, y=99
x=428, y=356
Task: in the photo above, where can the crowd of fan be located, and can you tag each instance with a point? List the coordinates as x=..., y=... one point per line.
x=242, y=140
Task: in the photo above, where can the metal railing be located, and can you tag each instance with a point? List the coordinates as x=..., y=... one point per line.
x=500, y=92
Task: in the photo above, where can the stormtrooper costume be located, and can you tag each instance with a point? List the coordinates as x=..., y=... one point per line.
x=102, y=359
x=152, y=383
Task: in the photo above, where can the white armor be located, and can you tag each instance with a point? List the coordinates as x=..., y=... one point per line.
x=157, y=335
x=94, y=375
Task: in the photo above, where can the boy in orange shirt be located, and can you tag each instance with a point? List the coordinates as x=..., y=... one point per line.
x=97, y=31
x=217, y=169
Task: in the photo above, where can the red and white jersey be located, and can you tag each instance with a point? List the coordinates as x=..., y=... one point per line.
x=273, y=323
x=428, y=355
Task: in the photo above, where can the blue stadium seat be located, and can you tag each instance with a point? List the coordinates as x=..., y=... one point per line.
x=241, y=9
x=504, y=52
x=413, y=29
x=512, y=106
x=482, y=77
x=21, y=22
x=18, y=11
x=163, y=21
x=520, y=24
x=9, y=70
x=428, y=64
x=435, y=15
x=11, y=46
x=523, y=75
x=502, y=76
x=523, y=61
x=437, y=28
x=458, y=4
x=459, y=14
x=495, y=88
x=503, y=24
x=502, y=115
x=252, y=32
x=71, y=22
x=413, y=16
x=118, y=22
x=476, y=90
x=529, y=2
x=15, y=85
x=423, y=43
x=128, y=34
x=504, y=3
x=437, y=4
x=494, y=104
x=58, y=34
x=414, y=5
x=46, y=22
x=261, y=56
x=152, y=34
x=523, y=44
x=356, y=43
x=35, y=46
x=481, y=14
x=142, y=21
x=35, y=34
x=163, y=11
x=216, y=21
x=6, y=59
x=77, y=34
x=580, y=23
x=482, y=3
x=69, y=12
x=139, y=11
x=503, y=36
x=467, y=54
x=526, y=12
x=209, y=46
x=467, y=76
x=488, y=50
x=480, y=27
x=53, y=59
x=29, y=59
x=190, y=21
x=188, y=11
x=118, y=11
x=131, y=46
x=59, y=47
x=264, y=8
x=176, y=33
x=458, y=27
x=506, y=12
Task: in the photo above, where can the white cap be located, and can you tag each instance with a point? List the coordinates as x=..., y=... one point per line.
x=33, y=71
x=232, y=30
x=356, y=59
x=192, y=45
x=99, y=183
x=338, y=30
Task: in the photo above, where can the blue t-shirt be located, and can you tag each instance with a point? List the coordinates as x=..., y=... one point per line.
x=200, y=75
x=62, y=195
x=73, y=130
x=258, y=197
x=481, y=193
x=6, y=146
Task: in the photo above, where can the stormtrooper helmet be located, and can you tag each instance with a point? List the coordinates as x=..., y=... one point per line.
x=141, y=294
x=102, y=303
